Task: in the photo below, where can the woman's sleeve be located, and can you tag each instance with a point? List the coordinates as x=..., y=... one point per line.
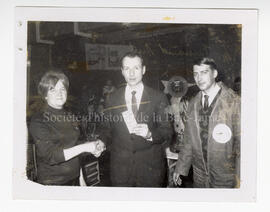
x=47, y=148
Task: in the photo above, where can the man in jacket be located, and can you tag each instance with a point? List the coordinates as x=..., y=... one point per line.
x=136, y=126
x=212, y=133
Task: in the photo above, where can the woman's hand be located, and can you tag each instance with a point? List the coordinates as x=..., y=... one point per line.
x=94, y=147
x=89, y=147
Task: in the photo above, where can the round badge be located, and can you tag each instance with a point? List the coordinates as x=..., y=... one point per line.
x=222, y=133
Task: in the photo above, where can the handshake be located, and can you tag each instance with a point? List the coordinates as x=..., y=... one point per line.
x=99, y=148
x=94, y=147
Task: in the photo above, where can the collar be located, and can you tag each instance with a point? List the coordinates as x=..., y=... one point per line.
x=212, y=93
x=138, y=88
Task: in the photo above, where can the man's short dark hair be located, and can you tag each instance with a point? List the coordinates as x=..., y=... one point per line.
x=206, y=61
x=132, y=55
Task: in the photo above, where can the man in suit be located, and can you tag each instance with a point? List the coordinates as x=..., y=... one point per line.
x=212, y=132
x=137, y=145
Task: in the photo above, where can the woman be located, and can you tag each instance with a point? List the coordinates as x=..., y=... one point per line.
x=55, y=133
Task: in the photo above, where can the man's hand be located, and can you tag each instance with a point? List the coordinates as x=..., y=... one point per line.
x=176, y=179
x=237, y=179
x=142, y=130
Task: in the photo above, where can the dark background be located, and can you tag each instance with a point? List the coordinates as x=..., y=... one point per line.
x=167, y=49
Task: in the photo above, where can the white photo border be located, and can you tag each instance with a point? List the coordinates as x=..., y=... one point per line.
x=26, y=189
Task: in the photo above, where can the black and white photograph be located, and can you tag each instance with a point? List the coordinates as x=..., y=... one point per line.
x=136, y=103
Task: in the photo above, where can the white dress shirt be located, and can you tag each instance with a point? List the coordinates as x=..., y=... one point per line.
x=128, y=97
x=212, y=94
x=138, y=95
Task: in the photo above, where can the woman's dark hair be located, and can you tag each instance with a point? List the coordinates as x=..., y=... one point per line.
x=49, y=80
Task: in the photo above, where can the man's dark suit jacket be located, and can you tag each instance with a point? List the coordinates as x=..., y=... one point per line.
x=136, y=161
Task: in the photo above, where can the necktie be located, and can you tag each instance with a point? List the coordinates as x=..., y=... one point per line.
x=204, y=127
x=206, y=104
x=134, y=103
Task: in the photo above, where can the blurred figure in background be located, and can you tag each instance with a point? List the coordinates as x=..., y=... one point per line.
x=91, y=131
x=237, y=85
x=177, y=87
